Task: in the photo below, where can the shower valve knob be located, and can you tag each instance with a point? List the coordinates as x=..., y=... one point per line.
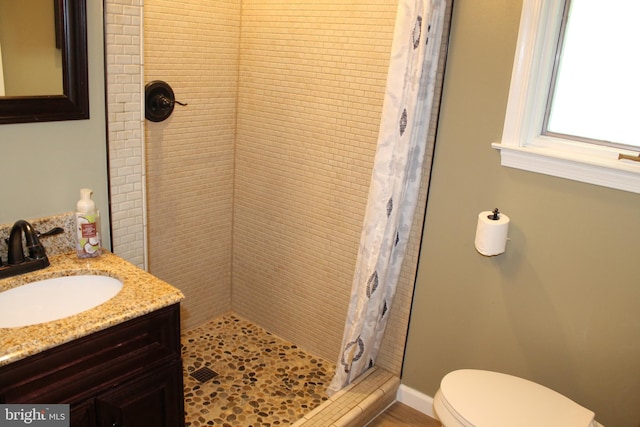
x=159, y=101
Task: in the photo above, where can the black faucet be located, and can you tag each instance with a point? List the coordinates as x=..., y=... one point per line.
x=17, y=262
x=16, y=252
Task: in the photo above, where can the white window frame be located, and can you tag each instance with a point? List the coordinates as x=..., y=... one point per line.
x=522, y=145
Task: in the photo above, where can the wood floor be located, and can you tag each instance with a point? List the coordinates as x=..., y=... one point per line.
x=400, y=415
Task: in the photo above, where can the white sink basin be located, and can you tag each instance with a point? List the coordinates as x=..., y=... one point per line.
x=53, y=299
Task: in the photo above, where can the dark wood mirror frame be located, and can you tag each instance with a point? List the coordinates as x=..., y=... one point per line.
x=74, y=103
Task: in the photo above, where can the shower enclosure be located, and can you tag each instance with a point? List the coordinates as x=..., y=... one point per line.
x=255, y=191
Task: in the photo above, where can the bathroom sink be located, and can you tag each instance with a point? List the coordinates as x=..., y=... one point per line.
x=53, y=299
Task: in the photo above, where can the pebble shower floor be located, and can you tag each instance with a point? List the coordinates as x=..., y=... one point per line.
x=236, y=374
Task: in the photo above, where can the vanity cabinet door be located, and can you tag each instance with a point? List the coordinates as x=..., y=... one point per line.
x=151, y=401
x=83, y=415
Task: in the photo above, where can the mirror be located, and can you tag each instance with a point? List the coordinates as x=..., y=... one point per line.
x=61, y=96
x=30, y=58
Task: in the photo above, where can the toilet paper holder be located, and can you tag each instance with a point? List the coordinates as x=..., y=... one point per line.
x=159, y=101
x=492, y=232
x=495, y=215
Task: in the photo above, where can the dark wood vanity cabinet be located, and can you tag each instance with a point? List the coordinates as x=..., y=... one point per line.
x=143, y=402
x=127, y=375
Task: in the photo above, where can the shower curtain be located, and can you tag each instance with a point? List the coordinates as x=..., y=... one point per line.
x=395, y=183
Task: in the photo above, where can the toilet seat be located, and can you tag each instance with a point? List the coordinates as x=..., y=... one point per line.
x=476, y=398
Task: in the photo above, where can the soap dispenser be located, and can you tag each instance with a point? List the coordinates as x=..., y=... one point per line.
x=87, y=226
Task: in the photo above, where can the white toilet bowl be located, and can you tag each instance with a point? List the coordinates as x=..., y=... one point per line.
x=475, y=398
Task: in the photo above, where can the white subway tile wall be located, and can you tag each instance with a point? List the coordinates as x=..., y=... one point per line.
x=124, y=63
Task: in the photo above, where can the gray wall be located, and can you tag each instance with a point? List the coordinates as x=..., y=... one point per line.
x=562, y=306
x=44, y=165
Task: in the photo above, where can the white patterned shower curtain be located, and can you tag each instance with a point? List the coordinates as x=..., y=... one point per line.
x=395, y=183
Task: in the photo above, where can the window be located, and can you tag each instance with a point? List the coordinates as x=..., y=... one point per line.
x=576, y=118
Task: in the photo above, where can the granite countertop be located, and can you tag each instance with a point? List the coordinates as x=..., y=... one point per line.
x=141, y=293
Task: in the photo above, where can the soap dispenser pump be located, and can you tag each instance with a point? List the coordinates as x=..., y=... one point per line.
x=87, y=226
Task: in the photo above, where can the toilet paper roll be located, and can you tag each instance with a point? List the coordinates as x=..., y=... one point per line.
x=491, y=235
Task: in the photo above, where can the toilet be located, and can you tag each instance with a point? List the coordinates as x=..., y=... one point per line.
x=476, y=398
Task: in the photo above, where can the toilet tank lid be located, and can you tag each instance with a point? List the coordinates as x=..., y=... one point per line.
x=485, y=398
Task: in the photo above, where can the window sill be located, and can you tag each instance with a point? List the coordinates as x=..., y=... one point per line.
x=619, y=174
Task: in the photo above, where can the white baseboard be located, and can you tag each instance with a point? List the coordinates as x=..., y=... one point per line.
x=416, y=400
